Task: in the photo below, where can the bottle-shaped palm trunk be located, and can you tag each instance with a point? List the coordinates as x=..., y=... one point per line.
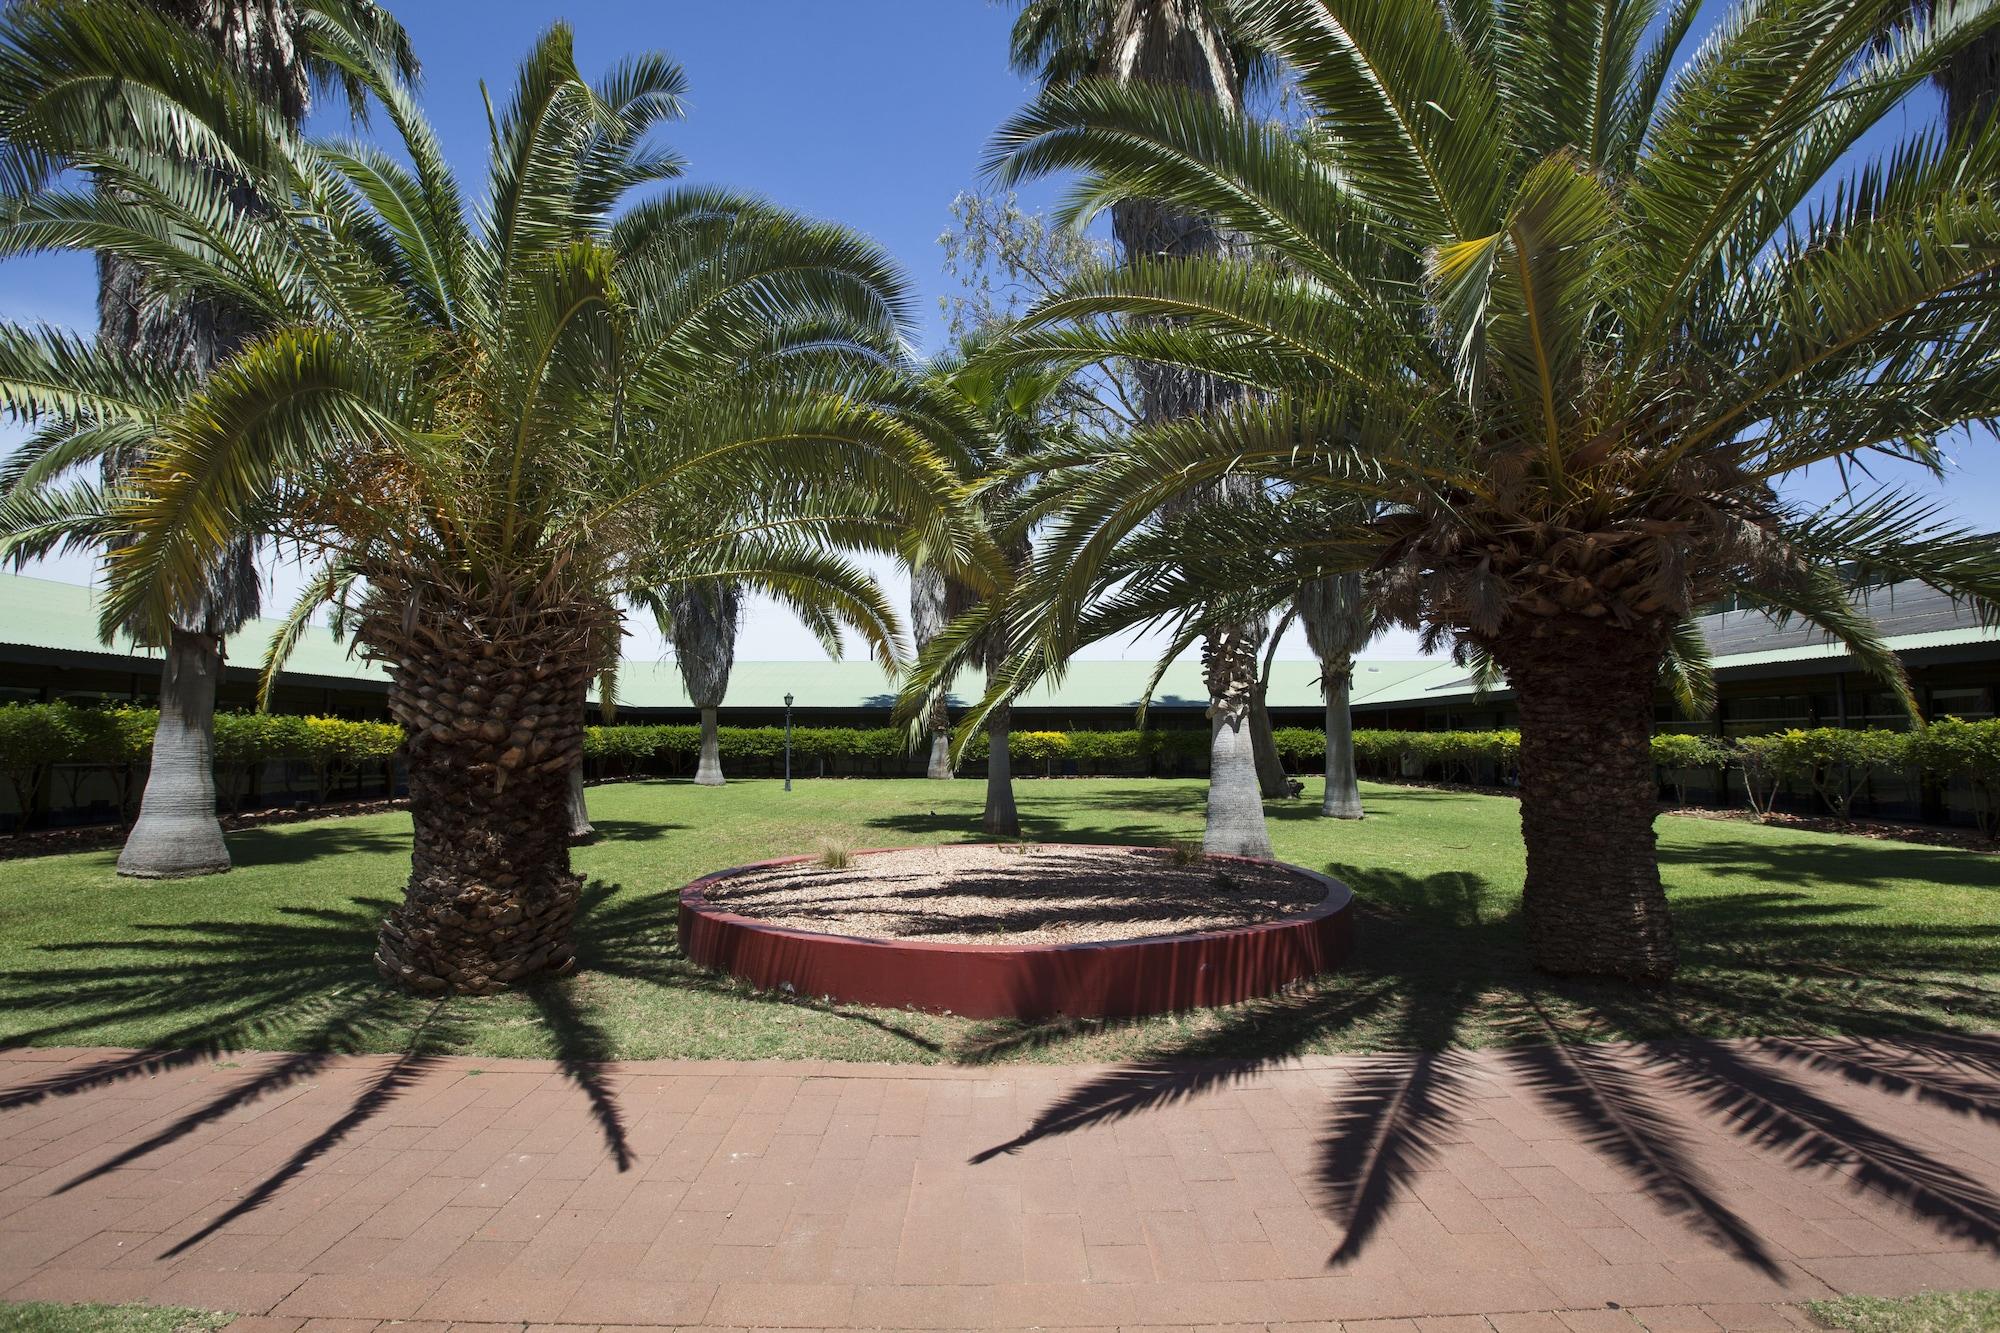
x=177, y=834
x=933, y=603
x=705, y=620
x=708, y=768
x=1343, y=784
x=580, y=827
x=1593, y=902
x=1235, y=823
x=1002, y=819
x=1272, y=784
x=494, y=734
x=1339, y=621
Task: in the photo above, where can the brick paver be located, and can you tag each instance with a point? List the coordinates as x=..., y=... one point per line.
x=1676, y=1186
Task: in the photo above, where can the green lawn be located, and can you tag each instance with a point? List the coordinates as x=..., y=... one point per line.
x=1931, y=1312
x=42, y=1317
x=1782, y=931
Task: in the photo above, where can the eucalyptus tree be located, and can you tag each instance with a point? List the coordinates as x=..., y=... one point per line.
x=480, y=424
x=1202, y=50
x=274, y=46
x=1562, y=316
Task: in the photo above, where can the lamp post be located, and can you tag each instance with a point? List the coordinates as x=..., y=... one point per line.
x=788, y=742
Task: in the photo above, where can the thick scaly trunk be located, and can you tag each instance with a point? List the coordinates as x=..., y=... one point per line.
x=939, y=765
x=1971, y=83
x=708, y=772
x=1272, y=783
x=494, y=733
x=1001, y=817
x=177, y=833
x=1593, y=902
x=1235, y=809
x=580, y=827
x=1343, y=785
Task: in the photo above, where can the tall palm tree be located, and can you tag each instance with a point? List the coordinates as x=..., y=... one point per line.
x=482, y=426
x=273, y=45
x=1969, y=82
x=703, y=619
x=1200, y=49
x=1562, y=315
x=1339, y=621
x=936, y=600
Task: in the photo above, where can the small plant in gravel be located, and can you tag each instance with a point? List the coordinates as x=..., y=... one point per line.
x=1185, y=852
x=835, y=854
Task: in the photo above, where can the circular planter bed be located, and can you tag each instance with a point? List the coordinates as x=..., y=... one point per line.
x=994, y=931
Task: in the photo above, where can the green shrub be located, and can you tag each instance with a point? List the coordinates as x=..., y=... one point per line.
x=1679, y=754
x=1954, y=748
x=1835, y=761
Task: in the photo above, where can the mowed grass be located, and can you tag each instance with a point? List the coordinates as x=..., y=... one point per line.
x=1782, y=932
x=43, y=1317
x=1929, y=1312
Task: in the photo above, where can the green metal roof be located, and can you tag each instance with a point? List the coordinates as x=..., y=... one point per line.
x=62, y=617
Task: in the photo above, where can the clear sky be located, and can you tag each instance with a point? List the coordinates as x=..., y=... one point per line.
x=869, y=112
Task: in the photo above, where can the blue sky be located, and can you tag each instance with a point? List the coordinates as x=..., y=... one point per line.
x=874, y=113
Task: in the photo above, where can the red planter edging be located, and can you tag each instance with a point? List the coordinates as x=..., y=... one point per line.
x=1106, y=979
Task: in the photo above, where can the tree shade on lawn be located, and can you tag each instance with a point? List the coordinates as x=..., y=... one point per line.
x=485, y=423
x=1785, y=933
x=1556, y=317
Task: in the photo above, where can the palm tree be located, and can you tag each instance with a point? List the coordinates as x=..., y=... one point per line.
x=1624, y=296
x=1339, y=621
x=1970, y=81
x=274, y=48
x=480, y=426
x=703, y=619
x=1201, y=49
x=935, y=601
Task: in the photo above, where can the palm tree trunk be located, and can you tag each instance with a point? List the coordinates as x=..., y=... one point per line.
x=1343, y=785
x=491, y=898
x=580, y=827
x=1002, y=818
x=1272, y=784
x=708, y=772
x=177, y=834
x=1235, y=824
x=939, y=765
x=1593, y=902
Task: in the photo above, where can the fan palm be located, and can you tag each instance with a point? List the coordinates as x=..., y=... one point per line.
x=1019, y=414
x=1559, y=310
x=1340, y=620
x=702, y=620
x=480, y=427
x=936, y=599
x=274, y=48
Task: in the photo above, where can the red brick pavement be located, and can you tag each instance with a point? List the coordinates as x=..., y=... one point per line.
x=1690, y=1186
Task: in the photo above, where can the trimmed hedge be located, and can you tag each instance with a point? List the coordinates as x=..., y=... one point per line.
x=35, y=739
x=1836, y=763
x=626, y=749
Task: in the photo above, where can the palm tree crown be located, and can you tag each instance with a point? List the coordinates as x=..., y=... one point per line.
x=1540, y=317
x=481, y=424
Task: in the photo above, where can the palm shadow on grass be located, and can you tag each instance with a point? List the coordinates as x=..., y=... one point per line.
x=1436, y=967
x=1430, y=971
